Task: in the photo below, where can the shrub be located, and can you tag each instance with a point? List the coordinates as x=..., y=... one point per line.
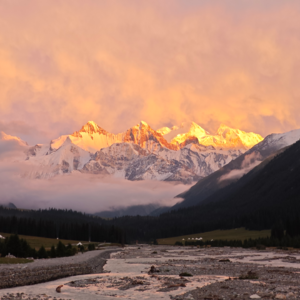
x=60, y=249
x=81, y=248
x=178, y=243
x=185, y=274
x=260, y=247
x=224, y=260
x=42, y=253
x=249, y=275
x=91, y=247
x=16, y=246
x=52, y=252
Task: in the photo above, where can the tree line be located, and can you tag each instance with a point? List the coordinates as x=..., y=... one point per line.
x=18, y=247
x=259, y=243
x=41, y=225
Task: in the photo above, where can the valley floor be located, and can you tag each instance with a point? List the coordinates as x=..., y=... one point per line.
x=230, y=234
x=269, y=274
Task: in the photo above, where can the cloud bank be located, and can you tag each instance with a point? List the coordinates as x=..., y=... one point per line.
x=250, y=162
x=116, y=62
x=82, y=192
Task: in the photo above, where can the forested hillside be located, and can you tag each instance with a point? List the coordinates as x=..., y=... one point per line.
x=63, y=224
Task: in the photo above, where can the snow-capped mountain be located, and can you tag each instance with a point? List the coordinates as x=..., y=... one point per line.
x=147, y=138
x=45, y=162
x=225, y=137
x=132, y=162
x=166, y=130
x=186, y=153
x=90, y=137
x=201, y=160
x=277, y=141
x=178, y=134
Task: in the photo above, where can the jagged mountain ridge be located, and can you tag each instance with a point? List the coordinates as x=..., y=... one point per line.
x=132, y=162
x=225, y=137
x=139, y=153
x=92, y=137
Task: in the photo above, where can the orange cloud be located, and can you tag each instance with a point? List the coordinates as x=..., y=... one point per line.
x=116, y=62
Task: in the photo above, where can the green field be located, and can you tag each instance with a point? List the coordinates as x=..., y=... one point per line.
x=9, y=261
x=36, y=242
x=233, y=234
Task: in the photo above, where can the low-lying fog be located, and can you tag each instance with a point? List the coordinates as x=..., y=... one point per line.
x=77, y=191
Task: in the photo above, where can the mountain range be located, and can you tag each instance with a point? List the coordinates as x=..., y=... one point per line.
x=184, y=153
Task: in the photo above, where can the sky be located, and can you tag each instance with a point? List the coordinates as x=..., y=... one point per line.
x=64, y=63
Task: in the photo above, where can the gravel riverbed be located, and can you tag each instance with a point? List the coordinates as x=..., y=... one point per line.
x=159, y=272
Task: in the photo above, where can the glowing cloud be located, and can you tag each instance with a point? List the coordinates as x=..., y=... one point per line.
x=117, y=62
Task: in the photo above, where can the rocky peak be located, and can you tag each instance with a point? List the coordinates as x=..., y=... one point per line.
x=143, y=124
x=236, y=137
x=186, y=131
x=164, y=130
x=224, y=129
x=91, y=127
x=143, y=135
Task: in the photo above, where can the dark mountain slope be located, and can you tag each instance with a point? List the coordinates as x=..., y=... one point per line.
x=236, y=168
x=232, y=188
x=8, y=205
x=273, y=185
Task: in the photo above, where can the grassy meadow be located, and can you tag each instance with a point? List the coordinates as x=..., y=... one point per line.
x=36, y=242
x=9, y=261
x=232, y=234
